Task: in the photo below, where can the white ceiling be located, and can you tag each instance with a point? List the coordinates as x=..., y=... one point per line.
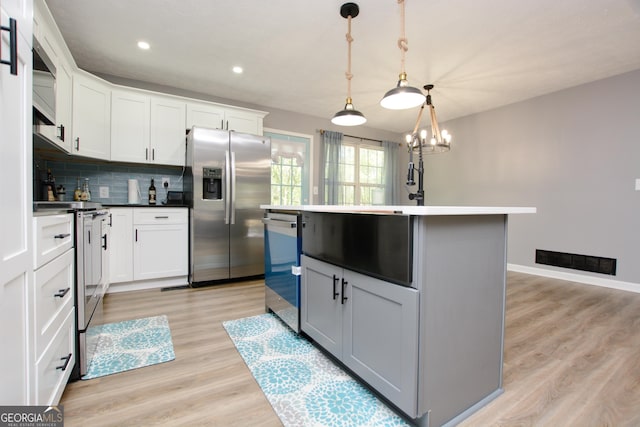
x=480, y=54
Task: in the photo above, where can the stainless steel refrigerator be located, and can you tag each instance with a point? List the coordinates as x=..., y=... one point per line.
x=227, y=178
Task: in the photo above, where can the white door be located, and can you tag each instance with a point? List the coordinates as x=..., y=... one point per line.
x=168, y=131
x=291, y=167
x=16, y=258
x=91, y=117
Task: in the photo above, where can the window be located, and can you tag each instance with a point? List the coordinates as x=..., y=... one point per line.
x=361, y=175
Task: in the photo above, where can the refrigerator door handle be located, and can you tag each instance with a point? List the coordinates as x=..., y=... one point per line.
x=233, y=187
x=227, y=187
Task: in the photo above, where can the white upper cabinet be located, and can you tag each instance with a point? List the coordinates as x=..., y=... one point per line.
x=205, y=115
x=91, y=116
x=147, y=128
x=222, y=117
x=130, y=118
x=168, y=130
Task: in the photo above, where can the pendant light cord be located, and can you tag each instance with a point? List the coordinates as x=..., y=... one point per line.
x=348, y=74
x=403, y=43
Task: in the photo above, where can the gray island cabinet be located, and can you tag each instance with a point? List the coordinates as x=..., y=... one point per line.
x=411, y=300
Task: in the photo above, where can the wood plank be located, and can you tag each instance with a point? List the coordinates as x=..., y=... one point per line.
x=571, y=358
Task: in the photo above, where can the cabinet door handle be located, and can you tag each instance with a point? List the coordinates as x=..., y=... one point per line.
x=62, y=235
x=344, y=298
x=162, y=217
x=62, y=292
x=66, y=359
x=136, y=234
x=13, y=46
x=104, y=246
x=78, y=144
x=153, y=154
x=61, y=136
x=335, y=280
x=146, y=154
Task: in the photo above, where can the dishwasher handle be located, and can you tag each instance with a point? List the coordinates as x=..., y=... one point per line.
x=279, y=223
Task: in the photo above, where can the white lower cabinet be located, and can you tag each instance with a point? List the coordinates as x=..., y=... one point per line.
x=53, y=307
x=368, y=324
x=149, y=243
x=54, y=367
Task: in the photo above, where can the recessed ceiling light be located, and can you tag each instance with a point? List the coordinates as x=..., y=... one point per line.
x=143, y=45
x=237, y=69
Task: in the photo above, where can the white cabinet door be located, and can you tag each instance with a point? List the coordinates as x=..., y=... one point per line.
x=205, y=115
x=16, y=260
x=63, y=105
x=243, y=121
x=130, y=127
x=121, y=245
x=160, y=251
x=168, y=131
x=91, y=117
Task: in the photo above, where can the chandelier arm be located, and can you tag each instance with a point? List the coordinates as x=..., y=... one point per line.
x=415, y=128
x=435, y=129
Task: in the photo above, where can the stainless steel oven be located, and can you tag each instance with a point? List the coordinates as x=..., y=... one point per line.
x=92, y=244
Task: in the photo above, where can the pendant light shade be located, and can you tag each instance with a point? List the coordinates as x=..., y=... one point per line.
x=349, y=116
x=402, y=96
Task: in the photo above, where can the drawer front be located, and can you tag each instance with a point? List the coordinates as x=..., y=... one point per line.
x=53, y=235
x=158, y=216
x=55, y=366
x=54, y=297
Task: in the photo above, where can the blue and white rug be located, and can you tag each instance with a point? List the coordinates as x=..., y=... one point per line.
x=130, y=345
x=304, y=387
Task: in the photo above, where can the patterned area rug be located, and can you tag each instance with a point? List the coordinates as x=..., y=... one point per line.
x=304, y=387
x=130, y=345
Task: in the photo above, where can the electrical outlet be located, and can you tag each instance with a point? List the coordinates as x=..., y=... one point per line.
x=166, y=180
x=104, y=192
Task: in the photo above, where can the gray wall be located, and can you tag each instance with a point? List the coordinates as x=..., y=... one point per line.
x=573, y=154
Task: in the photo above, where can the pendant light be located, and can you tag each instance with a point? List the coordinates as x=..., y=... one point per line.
x=349, y=116
x=402, y=96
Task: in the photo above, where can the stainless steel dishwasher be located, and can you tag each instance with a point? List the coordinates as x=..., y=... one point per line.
x=282, y=248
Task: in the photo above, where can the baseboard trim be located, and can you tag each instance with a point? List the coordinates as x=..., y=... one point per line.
x=147, y=284
x=573, y=277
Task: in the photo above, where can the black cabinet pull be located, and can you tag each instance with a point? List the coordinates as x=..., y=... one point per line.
x=61, y=137
x=66, y=359
x=62, y=235
x=344, y=298
x=136, y=234
x=78, y=144
x=13, y=46
x=335, y=280
x=62, y=292
x=162, y=217
x=153, y=154
x=104, y=246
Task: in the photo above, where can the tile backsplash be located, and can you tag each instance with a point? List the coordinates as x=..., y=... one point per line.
x=113, y=176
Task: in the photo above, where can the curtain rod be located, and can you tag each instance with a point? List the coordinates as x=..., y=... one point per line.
x=321, y=131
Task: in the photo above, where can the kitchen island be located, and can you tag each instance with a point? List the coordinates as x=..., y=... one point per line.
x=411, y=299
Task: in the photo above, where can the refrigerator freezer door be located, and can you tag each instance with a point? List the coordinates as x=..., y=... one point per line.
x=209, y=235
x=252, y=180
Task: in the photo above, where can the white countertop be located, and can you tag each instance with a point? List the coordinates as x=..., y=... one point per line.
x=408, y=210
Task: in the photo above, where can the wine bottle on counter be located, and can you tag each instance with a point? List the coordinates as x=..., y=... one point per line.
x=152, y=193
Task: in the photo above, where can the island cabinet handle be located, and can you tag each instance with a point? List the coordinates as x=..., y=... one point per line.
x=61, y=235
x=344, y=298
x=13, y=46
x=335, y=280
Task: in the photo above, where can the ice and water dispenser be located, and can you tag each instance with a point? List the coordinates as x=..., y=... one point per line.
x=212, y=183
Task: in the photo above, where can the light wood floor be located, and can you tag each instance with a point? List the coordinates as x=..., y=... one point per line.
x=572, y=358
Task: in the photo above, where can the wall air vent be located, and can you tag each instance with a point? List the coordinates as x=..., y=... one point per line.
x=591, y=263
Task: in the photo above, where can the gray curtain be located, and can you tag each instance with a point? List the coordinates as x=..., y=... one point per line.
x=330, y=149
x=391, y=171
